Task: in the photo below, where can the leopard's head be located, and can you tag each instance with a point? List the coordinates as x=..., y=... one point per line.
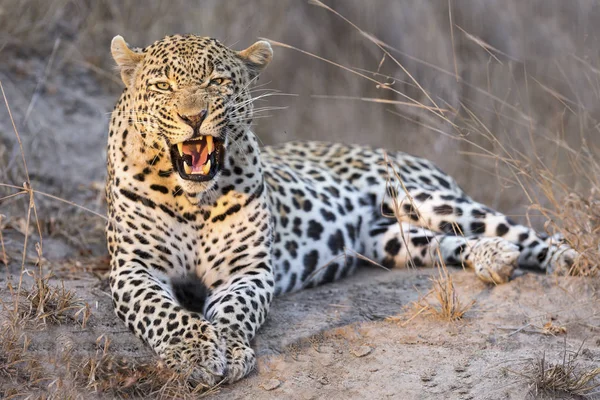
x=189, y=97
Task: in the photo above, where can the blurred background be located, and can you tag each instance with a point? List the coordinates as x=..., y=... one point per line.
x=519, y=81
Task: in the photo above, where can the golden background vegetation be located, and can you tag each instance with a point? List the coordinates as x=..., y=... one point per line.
x=519, y=80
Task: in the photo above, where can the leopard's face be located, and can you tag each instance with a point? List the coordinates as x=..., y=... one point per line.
x=190, y=99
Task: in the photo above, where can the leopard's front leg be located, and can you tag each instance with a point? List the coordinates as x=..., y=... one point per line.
x=186, y=340
x=237, y=310
x=212, y=346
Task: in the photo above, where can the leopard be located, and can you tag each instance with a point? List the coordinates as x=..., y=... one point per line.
x=206, y=226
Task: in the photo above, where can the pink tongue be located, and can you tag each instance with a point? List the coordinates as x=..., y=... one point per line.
x=198, y=159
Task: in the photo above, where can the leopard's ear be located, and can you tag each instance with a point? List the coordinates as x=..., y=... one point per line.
x=257, y=57
x=127, y=59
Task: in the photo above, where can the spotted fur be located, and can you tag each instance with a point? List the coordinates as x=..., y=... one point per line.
x=195, y=264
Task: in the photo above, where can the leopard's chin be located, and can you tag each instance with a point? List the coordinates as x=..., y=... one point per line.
x=199, y=159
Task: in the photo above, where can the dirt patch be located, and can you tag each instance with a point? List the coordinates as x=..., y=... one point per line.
x=481, y=357
x=336, y=341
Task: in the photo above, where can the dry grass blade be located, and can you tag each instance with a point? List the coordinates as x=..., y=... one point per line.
x=486, y=46
x=377, y=100
x=452, y=39
x=440, y=70
x=3, y=255
x=31, y=192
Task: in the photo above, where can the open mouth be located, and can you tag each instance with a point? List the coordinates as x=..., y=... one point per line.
x=198, y=159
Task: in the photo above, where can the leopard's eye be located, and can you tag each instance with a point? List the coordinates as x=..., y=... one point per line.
x=217, y=81
x=163, y=85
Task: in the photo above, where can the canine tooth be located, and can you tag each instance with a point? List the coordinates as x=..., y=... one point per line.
x=180, y=148
x=198, y=148
x=206, y=168
x=209, y=144
x=187, y=168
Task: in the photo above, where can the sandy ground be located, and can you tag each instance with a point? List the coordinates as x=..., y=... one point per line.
x=331, y=342
x=336, y=342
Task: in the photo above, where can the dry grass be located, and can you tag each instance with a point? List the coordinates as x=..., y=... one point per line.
x=22, y=372
x=32, y=24
x=569, y=203
x=40, y=305
x=108, y=374
x=25, y=373
x=50, y=304
x=449, y=307
x=441, y=302
x=567, y=377
x=579, y=223
x=30, y=310
x=550, y=328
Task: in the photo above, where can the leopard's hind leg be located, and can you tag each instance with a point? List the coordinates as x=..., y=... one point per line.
x=461, y=216
x=398, y=245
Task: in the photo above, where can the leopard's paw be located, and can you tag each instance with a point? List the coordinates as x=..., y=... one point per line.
x=493, y=259
x=561, y=260
x=197, y=351
x=240, y=360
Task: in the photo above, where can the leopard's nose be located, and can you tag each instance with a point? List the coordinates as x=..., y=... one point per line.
x=194, y=120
